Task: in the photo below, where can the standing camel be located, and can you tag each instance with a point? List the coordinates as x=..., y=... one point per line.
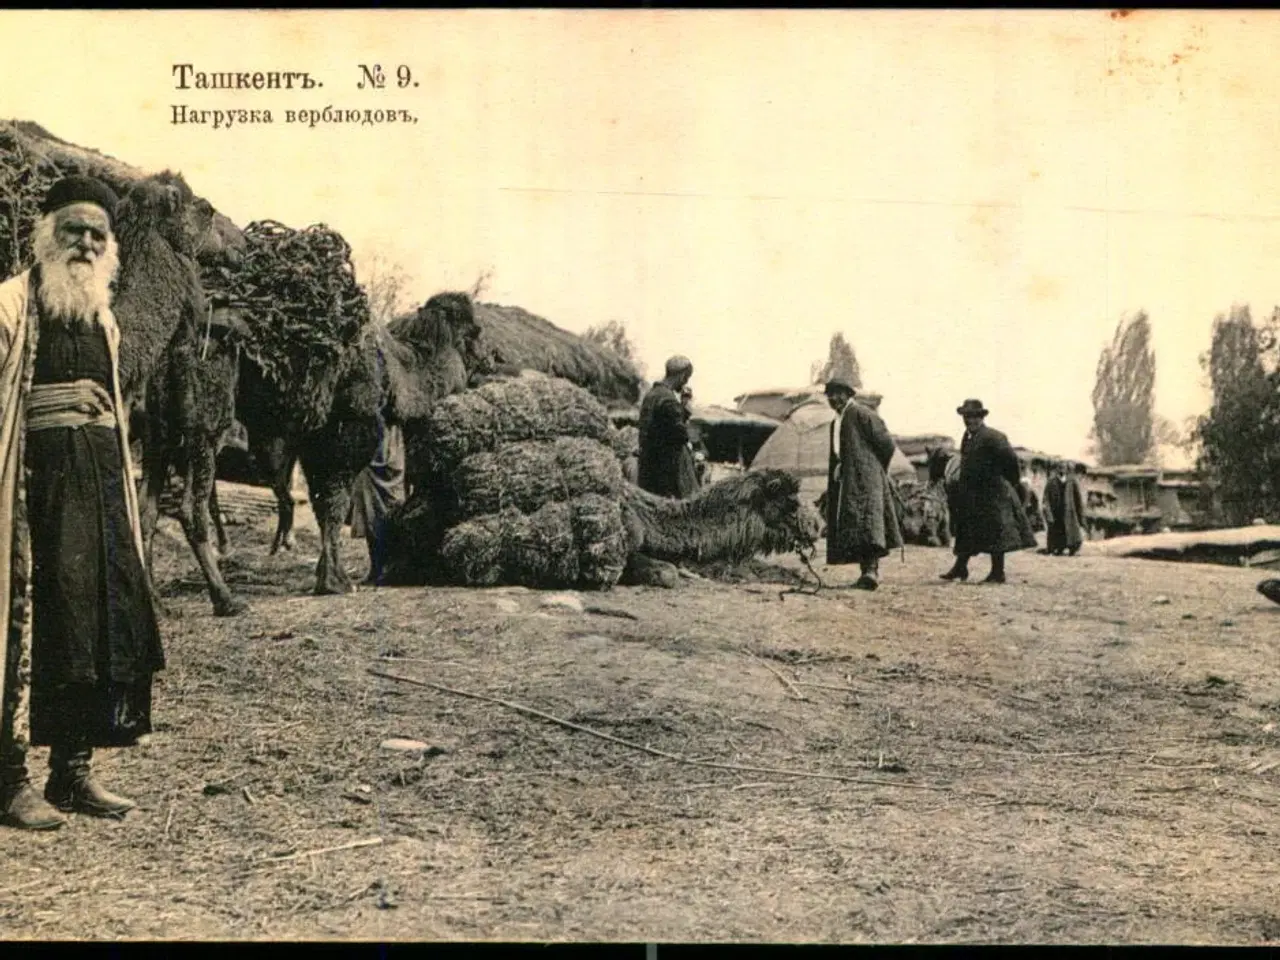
x=161, y=308
x=395, y=374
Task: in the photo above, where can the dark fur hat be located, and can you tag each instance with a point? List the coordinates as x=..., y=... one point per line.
x=71, y=190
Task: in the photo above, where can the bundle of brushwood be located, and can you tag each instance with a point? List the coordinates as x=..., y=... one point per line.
x=303, y=309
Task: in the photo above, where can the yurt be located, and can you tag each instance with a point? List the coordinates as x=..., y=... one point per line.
x=801, y=445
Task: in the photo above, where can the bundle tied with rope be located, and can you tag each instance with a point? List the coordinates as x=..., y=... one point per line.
x=304, y=313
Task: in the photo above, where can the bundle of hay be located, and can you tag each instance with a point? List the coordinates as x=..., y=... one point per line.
x=529, y=407
x=529, y=474
x=513, y=338
x=579, y=542
x=304, y=311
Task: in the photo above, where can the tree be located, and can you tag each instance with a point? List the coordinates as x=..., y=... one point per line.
x=1124, y=395
x=841, y=361
x=386, y=285
x=1239, y=438
x=613, y=336
x=482, y=283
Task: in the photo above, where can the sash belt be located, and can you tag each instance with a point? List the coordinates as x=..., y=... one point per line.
x=77, y=403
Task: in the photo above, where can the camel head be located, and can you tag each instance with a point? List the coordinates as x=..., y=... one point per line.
x=937, y=459
x=457, y=313
x=446, y=322
x=773, y=496
x=164, y=202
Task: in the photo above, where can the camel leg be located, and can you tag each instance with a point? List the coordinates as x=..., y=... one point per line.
x=276, y=458
x=155, y=469
x=330, y=503
x=197, y=523
x=282, y=485
x=331, y=460
x=215, y=512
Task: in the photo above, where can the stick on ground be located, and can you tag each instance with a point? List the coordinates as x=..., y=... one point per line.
x=675, y=758
x=795, y=693
x=372, y=842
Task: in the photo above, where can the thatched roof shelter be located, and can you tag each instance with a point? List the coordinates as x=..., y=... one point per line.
x=512, y=337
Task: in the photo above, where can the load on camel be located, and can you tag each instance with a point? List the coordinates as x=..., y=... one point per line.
x=162, y=229
x=446, y=344
x=508, y=340
x=319, y=380
x=524, y=485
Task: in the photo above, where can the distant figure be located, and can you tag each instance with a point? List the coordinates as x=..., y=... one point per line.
x=862, y=521
x=664, y=434
x=989, y=515
x=1063, y=510
x=378, y=487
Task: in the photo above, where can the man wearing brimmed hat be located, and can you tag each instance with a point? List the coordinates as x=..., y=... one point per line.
x=664, y=435
x=862, y=521
x=80, y=635
x=988, y=515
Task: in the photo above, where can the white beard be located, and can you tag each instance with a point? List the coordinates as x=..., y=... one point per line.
x=74, y=292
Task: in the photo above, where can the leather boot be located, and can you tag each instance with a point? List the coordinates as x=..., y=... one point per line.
x=22, y=806
x=959, y=570
x=997, y=569
x=870, y=576
x=72, y=788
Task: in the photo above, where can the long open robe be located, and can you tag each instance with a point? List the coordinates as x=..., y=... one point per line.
x=664, y=441
x=862, y=518
x=1063, y=507
x=89, y=683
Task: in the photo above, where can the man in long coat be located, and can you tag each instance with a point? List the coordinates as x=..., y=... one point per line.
x=988, y=513
x=1063, y=508
x=80, y=635
x=862, y=520
x=664, y=435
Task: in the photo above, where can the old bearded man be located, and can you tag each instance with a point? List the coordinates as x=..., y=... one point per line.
x=80, y=632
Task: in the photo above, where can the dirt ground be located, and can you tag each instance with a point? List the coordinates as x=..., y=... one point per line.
x=1090, y=753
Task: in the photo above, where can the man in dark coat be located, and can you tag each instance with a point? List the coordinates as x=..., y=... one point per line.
x=664, y=435
x=862, y=520
x=1063, y=508
x=989, y=515
x=80, y=634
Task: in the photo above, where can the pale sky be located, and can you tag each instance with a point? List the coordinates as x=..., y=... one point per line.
x=974, y=198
